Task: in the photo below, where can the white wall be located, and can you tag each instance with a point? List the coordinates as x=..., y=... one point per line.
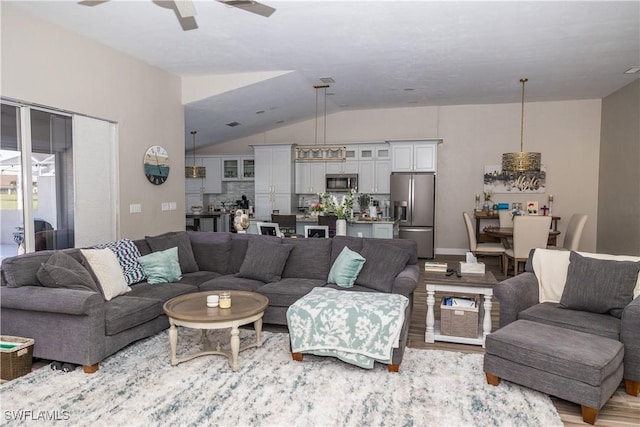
x=47, y=65
x=567, y=134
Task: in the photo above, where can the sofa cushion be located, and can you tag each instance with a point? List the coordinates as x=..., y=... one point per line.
x=599, y=286
x=264, y=260
x=231, y=281
x=552, y=314
x=346, y=268
x=106, y=271
x=62, y=271
x=239, y=245
x=160, y=292
x=127, y=253
x=127, y=312
x=161, y=266
x=212, y=256
x=309, y=259
x=287, y=291
x=198, y=277
x=22, y=270
x=338, y=243
x=383, y=264
x=182, y=242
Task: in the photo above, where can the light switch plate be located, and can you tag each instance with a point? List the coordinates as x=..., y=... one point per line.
x=135, y=208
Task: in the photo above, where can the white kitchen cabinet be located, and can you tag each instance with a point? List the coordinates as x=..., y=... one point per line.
x=310, y=177
x=238, y=168
x=348, y=166
x=274, y=179
x=413, y=156
x=212, y=183
x=382, y=231
x=374, y=176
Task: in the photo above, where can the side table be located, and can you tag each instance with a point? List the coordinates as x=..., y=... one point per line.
x=478, y=284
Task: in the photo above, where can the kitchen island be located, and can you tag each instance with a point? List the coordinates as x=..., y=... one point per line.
x=380, y=229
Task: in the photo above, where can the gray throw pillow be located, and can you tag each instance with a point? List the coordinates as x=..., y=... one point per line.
x=62, y=271
x=384, y=263
x=170, y=240
x=264, y=260
x=599, y=285
x=212, y=256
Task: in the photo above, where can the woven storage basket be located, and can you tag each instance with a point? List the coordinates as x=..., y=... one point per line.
x=459, y=321
x=16, y=361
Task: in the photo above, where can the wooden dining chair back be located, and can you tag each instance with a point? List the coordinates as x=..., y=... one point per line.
x=529, y=232
x=574, y=232
x=495, y=249
x=330, y=221
x=287, y=223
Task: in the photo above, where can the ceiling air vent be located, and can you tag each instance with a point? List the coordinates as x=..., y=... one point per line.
x=233, y=124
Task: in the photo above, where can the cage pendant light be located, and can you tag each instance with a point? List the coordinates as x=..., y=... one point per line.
x=194, y=171
x=521, y=161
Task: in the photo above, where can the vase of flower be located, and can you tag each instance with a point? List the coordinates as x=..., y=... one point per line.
x=341, y=227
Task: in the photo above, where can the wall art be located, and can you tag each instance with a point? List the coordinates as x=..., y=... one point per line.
x=497, y=181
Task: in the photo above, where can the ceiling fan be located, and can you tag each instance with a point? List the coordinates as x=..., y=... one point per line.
x=186, y=11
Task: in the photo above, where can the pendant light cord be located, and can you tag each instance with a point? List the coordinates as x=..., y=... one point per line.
x=193, y=138
x=523, y=81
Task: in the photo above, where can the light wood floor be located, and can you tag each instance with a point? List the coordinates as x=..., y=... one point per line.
x=621, y=410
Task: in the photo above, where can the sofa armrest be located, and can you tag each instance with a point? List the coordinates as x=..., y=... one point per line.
x=515, y=295
x=51, y=300
x=406, y=281
x=630, y=337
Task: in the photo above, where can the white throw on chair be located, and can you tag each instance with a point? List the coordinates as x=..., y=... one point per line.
x=505, y=218
x=495, y=249
x=529, y=232
x=574, y=232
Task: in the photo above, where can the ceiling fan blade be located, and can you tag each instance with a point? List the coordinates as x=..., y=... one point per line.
x=185, y=8
x=250, y=6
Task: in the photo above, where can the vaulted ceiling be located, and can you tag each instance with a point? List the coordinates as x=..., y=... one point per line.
x=260, y=72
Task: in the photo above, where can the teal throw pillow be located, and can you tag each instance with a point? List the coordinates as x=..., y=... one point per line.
x=162, y=266
x=346, y=268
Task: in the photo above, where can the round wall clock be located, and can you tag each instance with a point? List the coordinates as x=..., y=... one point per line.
x=156, y=165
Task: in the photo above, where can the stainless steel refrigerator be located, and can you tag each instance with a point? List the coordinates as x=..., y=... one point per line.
x=413, y=198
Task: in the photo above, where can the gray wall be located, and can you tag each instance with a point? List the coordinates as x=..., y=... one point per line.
x=619, y=180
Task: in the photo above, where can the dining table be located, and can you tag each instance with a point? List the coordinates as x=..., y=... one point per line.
x=505, y=234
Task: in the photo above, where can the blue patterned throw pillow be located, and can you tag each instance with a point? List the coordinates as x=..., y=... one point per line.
x=127, y=253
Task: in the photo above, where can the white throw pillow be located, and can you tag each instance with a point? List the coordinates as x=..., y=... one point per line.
x=105, y=266
x=551, y=266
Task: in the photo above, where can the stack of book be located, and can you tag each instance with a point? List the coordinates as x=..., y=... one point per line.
x=435, y=266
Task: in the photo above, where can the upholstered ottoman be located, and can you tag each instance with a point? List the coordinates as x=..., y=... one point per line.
x=578, y=367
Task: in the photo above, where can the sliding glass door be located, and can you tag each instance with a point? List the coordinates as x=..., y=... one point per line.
x=36, y=180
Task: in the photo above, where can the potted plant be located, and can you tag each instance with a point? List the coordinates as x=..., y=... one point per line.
x=364, y=200
x=487, y=200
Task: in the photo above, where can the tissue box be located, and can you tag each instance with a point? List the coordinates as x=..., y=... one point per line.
x=477, y=268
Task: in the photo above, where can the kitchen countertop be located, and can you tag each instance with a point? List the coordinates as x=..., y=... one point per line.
x=314, y=220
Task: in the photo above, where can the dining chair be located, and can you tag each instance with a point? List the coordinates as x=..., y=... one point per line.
x=505, y=218
x=330, y=221
x=529, y=232
x=573, y=234
x=287, y=224
x=491, y=249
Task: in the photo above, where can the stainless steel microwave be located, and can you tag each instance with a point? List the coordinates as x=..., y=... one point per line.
x=341, y=182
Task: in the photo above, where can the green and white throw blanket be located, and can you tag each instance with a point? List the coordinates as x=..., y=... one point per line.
x=356, y=327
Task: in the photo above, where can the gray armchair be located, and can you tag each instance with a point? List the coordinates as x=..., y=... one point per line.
x=519, y=299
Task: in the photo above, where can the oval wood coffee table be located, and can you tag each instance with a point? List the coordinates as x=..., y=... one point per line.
x=191, y=311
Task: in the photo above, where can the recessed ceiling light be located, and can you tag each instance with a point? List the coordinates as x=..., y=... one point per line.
x=260, y=112
x=633, y=70
x=330, y=93
x=327, y=80
x=233, y=124
x=408, y=89
x=280, y=121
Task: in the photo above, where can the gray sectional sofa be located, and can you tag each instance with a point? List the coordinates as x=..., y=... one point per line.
x=81, y=327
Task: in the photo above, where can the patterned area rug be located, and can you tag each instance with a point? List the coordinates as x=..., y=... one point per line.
x=138, y=386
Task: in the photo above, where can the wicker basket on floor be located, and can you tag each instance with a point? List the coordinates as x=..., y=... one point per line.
x=15, y=361
x=459, y=321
